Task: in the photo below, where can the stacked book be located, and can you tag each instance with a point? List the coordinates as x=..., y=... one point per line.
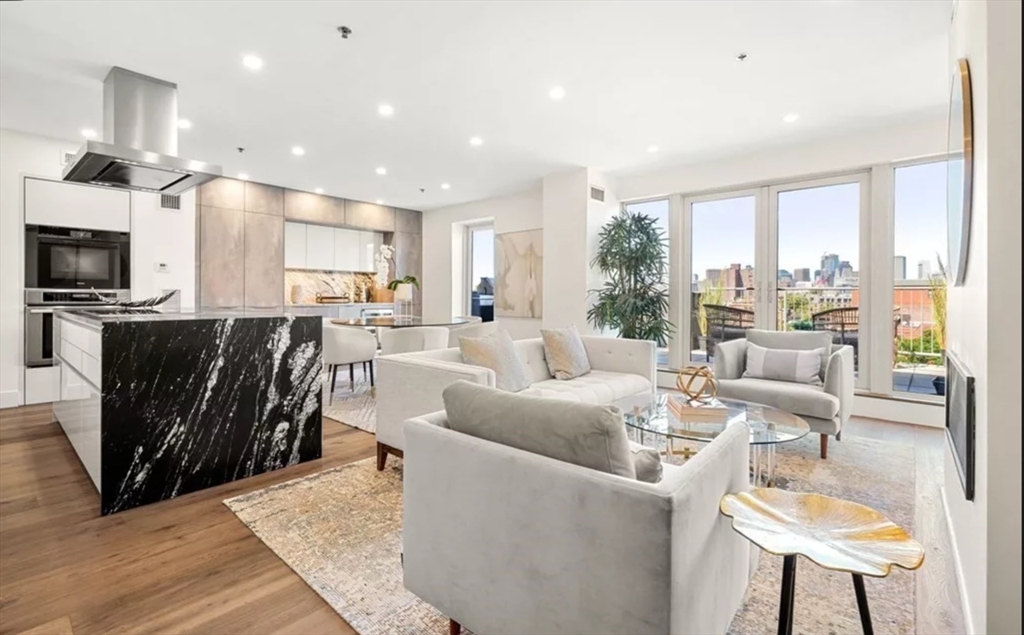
x=709, y=411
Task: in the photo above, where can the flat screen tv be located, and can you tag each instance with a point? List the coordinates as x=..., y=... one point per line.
x=960, y=420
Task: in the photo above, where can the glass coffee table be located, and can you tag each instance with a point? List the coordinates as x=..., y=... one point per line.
x=647, y=415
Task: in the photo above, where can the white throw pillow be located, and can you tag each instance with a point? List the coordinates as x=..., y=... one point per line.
x=564, y=353
x=800, y=367
x=497, y=352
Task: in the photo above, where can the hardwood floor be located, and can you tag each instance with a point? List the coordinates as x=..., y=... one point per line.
x=181, y=566
x=189, y=566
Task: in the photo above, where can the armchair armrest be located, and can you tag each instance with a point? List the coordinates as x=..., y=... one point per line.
x=730, y=359
x=408, y=386
x=839, y=379
x=622, y=356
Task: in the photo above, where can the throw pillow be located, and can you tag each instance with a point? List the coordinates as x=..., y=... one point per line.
x=646, y=462
x=578, y=433
x=564, y=352
x=801, y=367
x=497, y=352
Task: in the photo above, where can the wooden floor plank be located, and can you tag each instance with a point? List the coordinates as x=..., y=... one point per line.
x=181, y=566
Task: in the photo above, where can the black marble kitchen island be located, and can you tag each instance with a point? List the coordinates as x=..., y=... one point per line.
x=162, y=404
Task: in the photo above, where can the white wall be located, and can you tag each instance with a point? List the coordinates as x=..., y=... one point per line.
x=986, y=531
x=922, y=137
x=565, y=249
x=157, y=235
x=443, y=236
x=162, y=236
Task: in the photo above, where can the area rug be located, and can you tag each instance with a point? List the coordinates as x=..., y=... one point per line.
x=340, y=531
x=352, y=405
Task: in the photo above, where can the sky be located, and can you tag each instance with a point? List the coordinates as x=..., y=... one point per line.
x=483, y=255
x=819, y=220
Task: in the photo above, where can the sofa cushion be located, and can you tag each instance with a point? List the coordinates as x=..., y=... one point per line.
x=801, y=367
x=800, y=399
x=583, y=434
x=596, y=387
x=820, y=341
x=646, y=462
x=497, y=352
x=564, y=352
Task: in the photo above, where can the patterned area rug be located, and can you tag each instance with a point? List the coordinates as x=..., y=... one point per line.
x=340, y=531
x=355, y=406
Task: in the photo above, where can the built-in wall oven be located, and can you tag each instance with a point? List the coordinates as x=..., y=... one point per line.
x=40, y=305
x=69, y=258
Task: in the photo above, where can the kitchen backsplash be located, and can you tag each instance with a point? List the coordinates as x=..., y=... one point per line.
x=302, y=285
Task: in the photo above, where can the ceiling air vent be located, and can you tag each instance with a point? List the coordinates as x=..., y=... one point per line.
x=596, y=194
x=170, y=201
x=66, y=157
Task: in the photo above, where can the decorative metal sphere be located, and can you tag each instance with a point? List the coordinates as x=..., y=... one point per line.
x=697, y=383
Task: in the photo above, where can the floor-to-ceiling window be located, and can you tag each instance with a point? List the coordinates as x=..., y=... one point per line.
x=919, y=281
x=480, y=271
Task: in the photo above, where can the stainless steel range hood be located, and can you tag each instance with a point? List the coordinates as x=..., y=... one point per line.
x=140, y=140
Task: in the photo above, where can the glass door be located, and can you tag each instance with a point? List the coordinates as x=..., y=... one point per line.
x=723, y=272
x=816, y=255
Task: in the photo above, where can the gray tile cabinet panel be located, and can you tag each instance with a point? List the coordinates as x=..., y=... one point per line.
x=408, y=255
x=408, y=221
x=264, y=199
x=223, y=193
x=222, y=257
x=369, y=216
x=314, y=208
x=264, y=260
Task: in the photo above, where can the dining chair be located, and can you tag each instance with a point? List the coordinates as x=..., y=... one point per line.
x=348, y=345
x=413, y=339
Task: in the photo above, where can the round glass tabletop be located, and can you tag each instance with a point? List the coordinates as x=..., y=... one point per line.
x=654, y=414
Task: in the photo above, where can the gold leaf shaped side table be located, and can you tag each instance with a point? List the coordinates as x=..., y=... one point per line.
x=833, y=533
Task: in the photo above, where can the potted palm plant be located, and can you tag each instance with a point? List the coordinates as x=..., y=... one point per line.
x=634, y=298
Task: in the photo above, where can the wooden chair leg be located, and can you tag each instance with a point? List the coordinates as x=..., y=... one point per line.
x=371, y=372
x=454, y=628
x=334, y=379
x=824, y=446
x=352, y=376
x=382, y=457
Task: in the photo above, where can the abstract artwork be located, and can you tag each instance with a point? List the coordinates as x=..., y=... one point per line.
x=519, y=274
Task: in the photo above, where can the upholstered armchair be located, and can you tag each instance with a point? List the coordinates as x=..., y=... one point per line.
x=824, y=407
x=501, y=540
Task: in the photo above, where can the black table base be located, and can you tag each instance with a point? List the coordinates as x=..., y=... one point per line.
x=789, y=590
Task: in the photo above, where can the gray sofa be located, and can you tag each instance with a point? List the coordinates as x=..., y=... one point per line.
x=502, y=540
x=825, y=408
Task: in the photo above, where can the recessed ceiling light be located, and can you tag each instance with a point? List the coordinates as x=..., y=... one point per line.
x=88, y=133
x=382, y=170
x=557, y=93
x=298, y=151
x=252, y=62
x=476, y=141
x=184, y=124
x=319, y=190
x=791, y=118
x=653, y=149
x=446, y=186
x=243, y=176
x=380, y=201
x=385, y=110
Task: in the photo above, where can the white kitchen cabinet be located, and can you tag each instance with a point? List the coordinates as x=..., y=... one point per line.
x=319, y=247
x=369, y=242
x=80, y=206
x=294, y=246
x=346, y=250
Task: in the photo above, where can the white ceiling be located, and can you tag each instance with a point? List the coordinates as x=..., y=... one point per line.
x=636, y=74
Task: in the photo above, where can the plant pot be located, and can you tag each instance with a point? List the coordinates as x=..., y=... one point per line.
x=939, y=383
x=403, y=300
x=383, y=295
